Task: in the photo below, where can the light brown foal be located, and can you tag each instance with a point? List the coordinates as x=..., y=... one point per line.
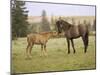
x=39, y=39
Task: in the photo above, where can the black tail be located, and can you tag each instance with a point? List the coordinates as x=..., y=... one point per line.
x=86, y=39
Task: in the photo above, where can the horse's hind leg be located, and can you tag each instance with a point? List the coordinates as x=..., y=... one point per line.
x=68, y=42
x=73, y=45
x=85, y=41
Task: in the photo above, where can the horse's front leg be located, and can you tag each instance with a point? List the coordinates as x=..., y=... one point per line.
x=68, y=42
x=73, y=44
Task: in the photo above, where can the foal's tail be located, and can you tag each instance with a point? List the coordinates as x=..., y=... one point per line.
x=27, y=39
x=28, y=45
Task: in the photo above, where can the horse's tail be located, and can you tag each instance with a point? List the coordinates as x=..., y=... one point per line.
x=87, y=34
x=86, y=40
x=87, y=37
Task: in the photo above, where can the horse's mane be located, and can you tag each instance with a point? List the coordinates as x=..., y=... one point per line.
x=66, y=23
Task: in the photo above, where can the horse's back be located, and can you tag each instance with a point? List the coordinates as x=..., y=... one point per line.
x=72, y=32
x=83, y=29
x=76, y=31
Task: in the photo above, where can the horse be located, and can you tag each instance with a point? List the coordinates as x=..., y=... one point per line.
x=72, y=32
x=38, y=39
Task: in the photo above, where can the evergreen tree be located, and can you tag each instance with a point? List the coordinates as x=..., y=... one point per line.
x=52, y=23
x=45, y=26
x=19, y=18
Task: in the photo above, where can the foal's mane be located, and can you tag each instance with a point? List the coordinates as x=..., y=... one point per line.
x=44, y=33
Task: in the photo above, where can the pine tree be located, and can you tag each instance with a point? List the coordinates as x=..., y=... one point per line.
x=45, y=26
x=19, y=18
x=52, y=23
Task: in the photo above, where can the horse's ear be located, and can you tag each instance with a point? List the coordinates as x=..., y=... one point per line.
x=56, y=23
x=69, y=26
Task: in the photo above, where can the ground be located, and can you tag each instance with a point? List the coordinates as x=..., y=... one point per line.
x=57, y=58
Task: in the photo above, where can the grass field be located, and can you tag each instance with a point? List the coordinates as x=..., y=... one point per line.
x=57, y=58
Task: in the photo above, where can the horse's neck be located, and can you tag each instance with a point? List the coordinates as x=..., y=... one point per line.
x=66, y=26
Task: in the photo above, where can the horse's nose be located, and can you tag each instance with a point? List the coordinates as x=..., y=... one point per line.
x=58, y=33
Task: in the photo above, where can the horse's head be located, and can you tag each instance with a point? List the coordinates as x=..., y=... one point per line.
x=62, y=25
x=59, y=26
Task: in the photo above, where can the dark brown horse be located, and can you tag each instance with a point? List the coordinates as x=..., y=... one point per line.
x=39, y=39
x=73, y=32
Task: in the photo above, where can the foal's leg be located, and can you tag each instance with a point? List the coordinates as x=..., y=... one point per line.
x=73, y=45
x=68, y=42
x=45, y=49
x=31, y=48
x=41, y=49
x=27, y=48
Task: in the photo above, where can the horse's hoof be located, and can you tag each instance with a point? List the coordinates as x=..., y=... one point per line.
x=74, y=52
x=68, y=52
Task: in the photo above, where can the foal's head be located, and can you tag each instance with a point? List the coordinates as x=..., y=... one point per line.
x=54, y=33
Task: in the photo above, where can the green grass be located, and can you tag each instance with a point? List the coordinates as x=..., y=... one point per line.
x=57, y=58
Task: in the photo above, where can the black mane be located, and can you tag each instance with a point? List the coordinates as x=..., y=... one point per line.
x=66, y=23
